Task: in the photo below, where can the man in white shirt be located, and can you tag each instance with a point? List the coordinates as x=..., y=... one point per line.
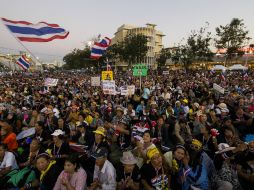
x=7, y=161
x=104, y=177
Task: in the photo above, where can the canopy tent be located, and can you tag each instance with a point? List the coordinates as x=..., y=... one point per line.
x=219, y=67
x=237, y=67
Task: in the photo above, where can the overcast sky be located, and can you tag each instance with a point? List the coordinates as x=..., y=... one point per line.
x=88, y=18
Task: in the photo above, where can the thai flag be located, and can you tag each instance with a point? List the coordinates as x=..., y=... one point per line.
x=222, y=77
x=23, y=63
x=212, y=72
x=40, y=32
x=245, y=76
x=99, y=48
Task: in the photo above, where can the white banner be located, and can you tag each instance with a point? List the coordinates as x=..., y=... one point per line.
x=218, y=88
x=50, y=82
x=109, y=87
x=95, y=81
x=165, y=72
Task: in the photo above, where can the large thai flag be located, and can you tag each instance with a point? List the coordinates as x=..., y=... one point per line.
x=99, y=48
x=40, y=32
x=23, y=63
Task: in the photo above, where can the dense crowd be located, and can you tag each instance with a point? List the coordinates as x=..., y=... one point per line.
x=175, y=132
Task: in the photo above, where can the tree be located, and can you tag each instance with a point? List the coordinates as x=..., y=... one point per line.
x=134, y=48
x=197, y=48
x=164, y=55
x=232, y=37
x=79, y=59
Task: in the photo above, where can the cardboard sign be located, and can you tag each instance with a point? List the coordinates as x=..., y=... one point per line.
x=109, y=87
x=50, y=82
x=107, y=75
x=218, y=88
x=165, y=72
x=131, y=89
x=95, y=81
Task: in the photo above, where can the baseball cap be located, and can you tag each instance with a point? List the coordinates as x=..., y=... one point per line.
x=100, y=153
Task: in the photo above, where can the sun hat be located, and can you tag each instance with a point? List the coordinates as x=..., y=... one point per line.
x=196, y=105
x=128, y=158
x=153, y=103
x=224, y=147
x=222, y=106
x=119, y=109
x=57, y=132
x=100, y=131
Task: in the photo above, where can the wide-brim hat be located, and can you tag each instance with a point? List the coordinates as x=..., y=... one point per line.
x=58, y=132
x=224, y=147
x=128, y=158
x=119, y=109
x=222, y=106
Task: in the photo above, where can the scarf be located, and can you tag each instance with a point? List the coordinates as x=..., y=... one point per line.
x=43, y=173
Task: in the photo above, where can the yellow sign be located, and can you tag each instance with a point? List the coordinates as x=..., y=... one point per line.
x=107, y=75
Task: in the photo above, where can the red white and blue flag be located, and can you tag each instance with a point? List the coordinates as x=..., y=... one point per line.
x=23, y=63
x=222, y=76
x=245, y=76
x=40, y=32
x=99, y=48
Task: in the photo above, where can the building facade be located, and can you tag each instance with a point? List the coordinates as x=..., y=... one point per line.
x=154, y=40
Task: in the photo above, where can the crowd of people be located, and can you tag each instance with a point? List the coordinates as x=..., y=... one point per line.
x=176, y=132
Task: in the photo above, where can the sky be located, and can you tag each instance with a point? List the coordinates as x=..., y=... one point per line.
x=86, y=19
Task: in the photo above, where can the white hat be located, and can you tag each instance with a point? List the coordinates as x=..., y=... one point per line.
x=224, y=147
x=222, y=106
x=57, y=132
x=196, y=105
x=128, y=158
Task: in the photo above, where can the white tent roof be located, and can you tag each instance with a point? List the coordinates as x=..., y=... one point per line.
x=219, y=67
x=237, y=67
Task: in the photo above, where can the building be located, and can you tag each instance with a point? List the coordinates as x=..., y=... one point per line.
x=154, y=40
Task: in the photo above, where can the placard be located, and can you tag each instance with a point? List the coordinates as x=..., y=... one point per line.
x=95, y=81
x=107, y=75
x=218, y=88
x=109, y=87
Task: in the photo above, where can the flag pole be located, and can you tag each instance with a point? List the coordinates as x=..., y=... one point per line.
x=23, y=45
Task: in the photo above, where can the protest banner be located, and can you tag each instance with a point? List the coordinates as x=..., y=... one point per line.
x=50, y=82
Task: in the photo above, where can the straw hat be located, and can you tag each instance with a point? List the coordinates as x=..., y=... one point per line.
x=128, y=158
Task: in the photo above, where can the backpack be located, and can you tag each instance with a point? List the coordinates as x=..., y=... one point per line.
x=18, y=178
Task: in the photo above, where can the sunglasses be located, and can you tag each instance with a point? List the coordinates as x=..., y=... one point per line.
x=195, y=147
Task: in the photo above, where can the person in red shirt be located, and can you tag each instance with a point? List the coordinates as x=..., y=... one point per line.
x=8, y=137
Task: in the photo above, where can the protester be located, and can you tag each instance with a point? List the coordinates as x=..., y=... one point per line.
x=72, y=177
x=182, y=107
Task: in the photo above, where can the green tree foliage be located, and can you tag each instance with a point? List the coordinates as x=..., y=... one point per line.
x=164, y=55
x=78, y=59
x=197, y=48
x=132, y=50
x=232, y=37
